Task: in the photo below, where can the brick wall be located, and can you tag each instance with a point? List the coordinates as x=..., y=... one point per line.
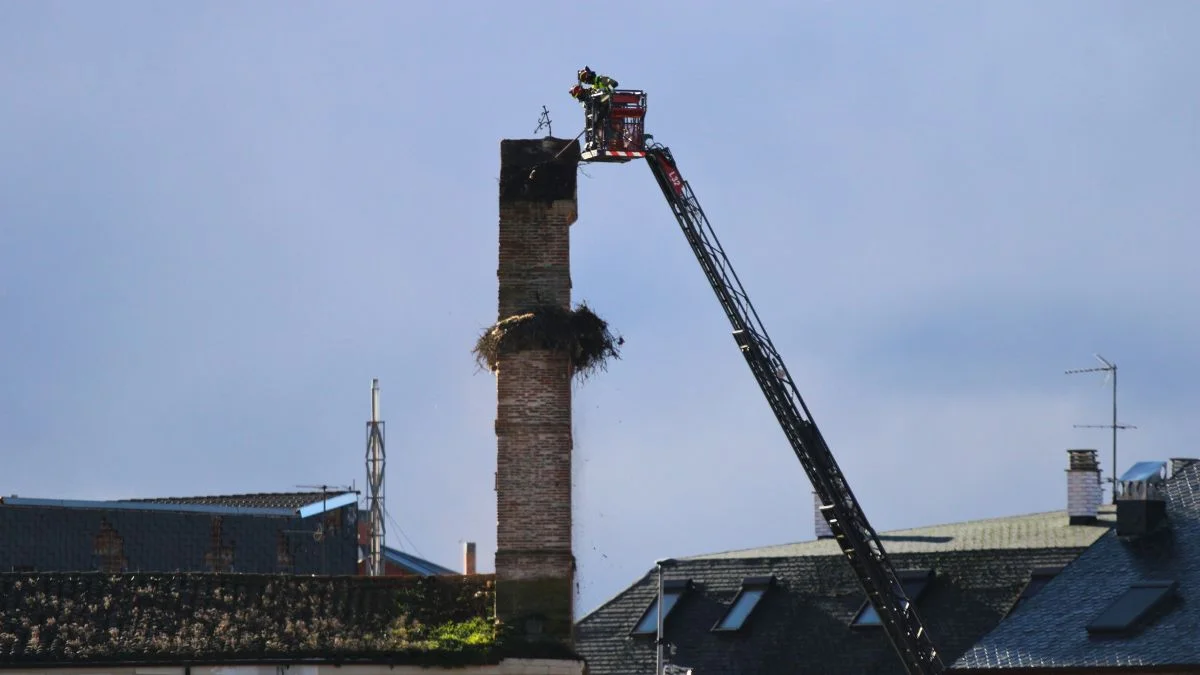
x=535, y=565
x=1084, y=489
x=79, y=539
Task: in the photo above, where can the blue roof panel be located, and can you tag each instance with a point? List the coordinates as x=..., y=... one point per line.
x=1144, y=471
x=414, y=564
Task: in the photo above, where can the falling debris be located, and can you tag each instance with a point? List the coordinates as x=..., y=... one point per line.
x=578, y=332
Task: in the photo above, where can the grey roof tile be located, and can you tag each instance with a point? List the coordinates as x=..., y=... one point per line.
x=1049, y=630
x=803, y=624
x=1038, y=530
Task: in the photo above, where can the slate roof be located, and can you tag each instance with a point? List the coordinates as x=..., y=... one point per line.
x=803, y=624
x=1049, y=631
x=75, y=618
x=1037, y=530
x=258, y=500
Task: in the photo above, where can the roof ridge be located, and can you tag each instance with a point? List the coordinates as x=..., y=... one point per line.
x=418, y=558
x=238, y=494
x=884, y=533
x=618, y=595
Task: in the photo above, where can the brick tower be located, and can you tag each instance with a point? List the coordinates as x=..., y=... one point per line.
x=535, y=565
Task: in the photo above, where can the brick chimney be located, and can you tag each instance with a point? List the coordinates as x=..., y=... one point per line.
x=819, y=523
x=1084, y=489
x=469, y=557
x=535, y=565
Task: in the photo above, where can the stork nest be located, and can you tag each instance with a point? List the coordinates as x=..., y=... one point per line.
x=579, y=332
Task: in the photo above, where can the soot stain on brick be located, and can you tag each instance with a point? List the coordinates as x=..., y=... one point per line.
x=541, y=170
x=538, y=610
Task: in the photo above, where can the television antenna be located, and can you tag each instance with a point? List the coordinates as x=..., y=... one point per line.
x=319, y=533
x=1110, y=373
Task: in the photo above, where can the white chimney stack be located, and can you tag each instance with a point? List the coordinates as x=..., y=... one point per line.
x=1084, y=489
x=469, y=557
x=819, y=523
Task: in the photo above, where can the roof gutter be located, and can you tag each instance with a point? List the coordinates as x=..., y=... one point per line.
x=324, y=505
x=214, y=509
x=316, y=508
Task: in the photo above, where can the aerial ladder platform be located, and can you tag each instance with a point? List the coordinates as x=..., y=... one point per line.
x=618, y=136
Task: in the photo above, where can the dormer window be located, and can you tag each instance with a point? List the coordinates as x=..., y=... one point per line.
x=1038, y=578
x=751, y=594
x=1133, y=608
x=914, y=581
x=672, y=591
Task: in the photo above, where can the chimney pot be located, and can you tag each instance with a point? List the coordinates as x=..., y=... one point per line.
x=1084, y=460
x=1141, y=501
x=819, y=523
x=469, y=557
x=1084, y=489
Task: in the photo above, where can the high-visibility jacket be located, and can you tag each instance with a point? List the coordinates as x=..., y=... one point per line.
x=603, y=83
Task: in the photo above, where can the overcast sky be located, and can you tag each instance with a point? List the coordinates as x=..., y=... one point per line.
x=219, y=221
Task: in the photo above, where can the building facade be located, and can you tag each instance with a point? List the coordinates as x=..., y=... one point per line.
x=286, y=533
x=1129, y=604
x=798, y=608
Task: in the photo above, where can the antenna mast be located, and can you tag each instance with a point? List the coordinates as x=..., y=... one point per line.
x=319, y=535
x=375, y=462
x=1110, y=370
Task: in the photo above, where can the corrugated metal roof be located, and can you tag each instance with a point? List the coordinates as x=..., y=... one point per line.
x=254, y=500
x=261, y=504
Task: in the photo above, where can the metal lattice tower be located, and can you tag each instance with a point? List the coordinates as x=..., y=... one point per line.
x=375, y=461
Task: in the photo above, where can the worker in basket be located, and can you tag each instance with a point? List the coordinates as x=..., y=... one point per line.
x=594, y=91
x=584, y=96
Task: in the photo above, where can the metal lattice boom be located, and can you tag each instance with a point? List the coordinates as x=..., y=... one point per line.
x=855, y=536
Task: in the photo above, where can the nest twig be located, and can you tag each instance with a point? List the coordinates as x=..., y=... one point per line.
x=584, y=336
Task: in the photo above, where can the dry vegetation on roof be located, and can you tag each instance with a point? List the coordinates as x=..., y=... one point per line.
x=92, y=617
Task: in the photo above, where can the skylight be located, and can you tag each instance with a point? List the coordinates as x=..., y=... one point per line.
x=753, y=590
x=672, y=591
x=1038, y=578
x=1132, y=607
x=914, y=583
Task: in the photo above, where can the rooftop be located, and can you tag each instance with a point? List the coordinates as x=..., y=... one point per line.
x=798, y=606
x=74, y=618
x=282, y=504
x=1038, y=530
x=254, y=500
x=413, y=563
x=1051, y=630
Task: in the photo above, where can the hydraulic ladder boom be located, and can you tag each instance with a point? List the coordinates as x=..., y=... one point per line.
x=854, y=534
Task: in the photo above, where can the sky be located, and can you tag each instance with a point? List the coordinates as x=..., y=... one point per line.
x=219, y=221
